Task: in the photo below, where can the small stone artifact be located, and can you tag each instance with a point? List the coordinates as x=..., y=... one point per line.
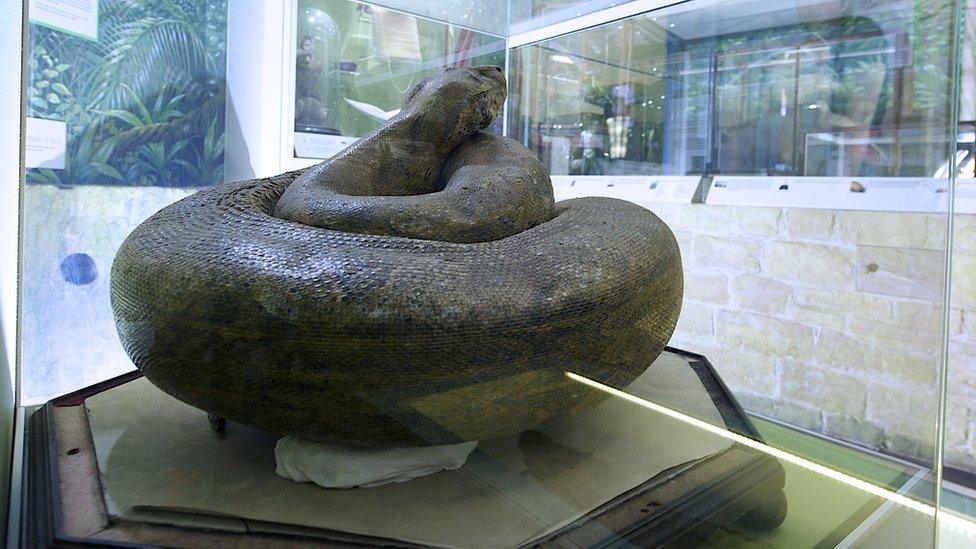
x=421, y=287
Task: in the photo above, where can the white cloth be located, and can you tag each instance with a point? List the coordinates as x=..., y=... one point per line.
x=337, y=466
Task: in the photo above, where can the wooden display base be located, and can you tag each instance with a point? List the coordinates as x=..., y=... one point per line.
x=67, y=501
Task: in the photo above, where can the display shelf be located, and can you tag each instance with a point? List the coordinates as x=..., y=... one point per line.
x=637, y=189
x=905, y=194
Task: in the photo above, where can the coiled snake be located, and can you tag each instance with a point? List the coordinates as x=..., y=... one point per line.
x=420, y=287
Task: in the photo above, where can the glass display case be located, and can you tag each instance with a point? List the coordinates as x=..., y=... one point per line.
x=355, y=62
x=675, y=93
x=806, y=166
x=902, y=152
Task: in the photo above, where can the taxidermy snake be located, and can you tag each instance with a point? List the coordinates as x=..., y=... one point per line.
x=420, y=287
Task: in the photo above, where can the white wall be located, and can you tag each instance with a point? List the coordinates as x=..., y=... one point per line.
x=11, y=36
x=255, y=68
x=10, y=172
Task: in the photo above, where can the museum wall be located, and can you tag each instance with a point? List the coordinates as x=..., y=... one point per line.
x=10, y=174
x=831, y=320
x=11, y=41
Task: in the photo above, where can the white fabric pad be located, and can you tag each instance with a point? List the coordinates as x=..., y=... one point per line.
x=337, y=466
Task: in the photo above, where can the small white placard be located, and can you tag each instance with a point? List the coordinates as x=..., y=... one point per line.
x=316, y=145
x=897, y=194
x=634, y=188
x=46, y=143
x=78, y=17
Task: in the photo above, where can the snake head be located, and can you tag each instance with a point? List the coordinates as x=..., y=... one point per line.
x=472, y=96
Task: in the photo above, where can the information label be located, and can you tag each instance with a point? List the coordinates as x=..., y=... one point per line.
x=78, y=17
x=46, y=143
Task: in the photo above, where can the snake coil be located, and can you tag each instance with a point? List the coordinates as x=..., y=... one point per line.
x=420, y=287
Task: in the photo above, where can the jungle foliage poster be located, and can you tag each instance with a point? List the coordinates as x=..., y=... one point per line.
x=143, y=102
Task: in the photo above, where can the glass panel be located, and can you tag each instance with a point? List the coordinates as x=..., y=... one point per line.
x=959, y=456
x=808, y=151
x=527, y=15
x=120, y=122
x=355, y=63
x=671, y=95
x=800, y=159
x=488, y=16
x=592, y=103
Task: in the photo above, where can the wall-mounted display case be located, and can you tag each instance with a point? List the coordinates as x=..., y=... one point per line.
x=355, y=63
x=813, y=160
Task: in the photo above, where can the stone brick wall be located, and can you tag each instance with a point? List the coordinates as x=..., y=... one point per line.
x=832, y=320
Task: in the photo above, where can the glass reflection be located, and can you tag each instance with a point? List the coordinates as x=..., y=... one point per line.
x=771, y=91
x=355, y=62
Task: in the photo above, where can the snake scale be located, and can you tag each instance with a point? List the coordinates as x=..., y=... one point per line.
x=420, y=287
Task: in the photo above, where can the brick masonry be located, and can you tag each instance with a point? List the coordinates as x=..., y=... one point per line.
x=832, y=320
